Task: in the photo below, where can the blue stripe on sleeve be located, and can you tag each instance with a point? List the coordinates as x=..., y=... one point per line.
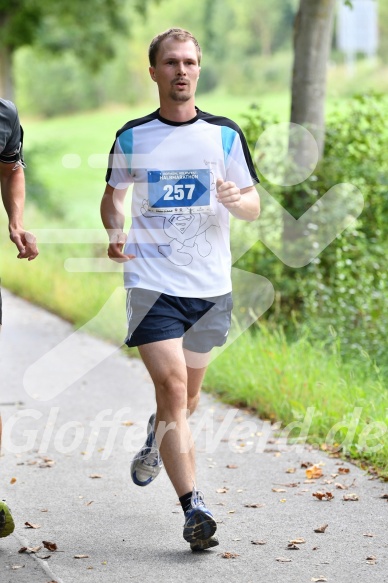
x=126, y=143
x=228, y=137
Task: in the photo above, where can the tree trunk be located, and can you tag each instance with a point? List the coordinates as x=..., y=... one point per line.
x=312, y=40
x=6, y=81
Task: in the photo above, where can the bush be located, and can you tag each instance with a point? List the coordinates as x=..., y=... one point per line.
x=344, y=291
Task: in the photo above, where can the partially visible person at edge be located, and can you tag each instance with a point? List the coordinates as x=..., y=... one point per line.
x=190, y=171
x=13, y=194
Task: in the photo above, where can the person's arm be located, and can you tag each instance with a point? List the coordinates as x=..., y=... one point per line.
x=243, y=204
x=13, y=194
x=113, y=218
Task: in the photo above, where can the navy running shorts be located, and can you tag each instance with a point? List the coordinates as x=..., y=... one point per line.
x=153, y=316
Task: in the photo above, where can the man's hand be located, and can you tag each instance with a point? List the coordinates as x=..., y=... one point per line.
x=228, y=194
x=117, y=241
x=25, y=242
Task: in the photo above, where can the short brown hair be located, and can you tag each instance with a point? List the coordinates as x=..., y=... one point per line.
x=176, y=33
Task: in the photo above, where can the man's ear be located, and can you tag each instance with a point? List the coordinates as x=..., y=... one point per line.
x=152, y=73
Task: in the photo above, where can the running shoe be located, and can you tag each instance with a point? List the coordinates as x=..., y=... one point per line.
x=199, y=524
x=202, y=545
x=7, y=525
x=147, y=464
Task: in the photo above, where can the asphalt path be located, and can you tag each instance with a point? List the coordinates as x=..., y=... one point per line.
x=65, y=469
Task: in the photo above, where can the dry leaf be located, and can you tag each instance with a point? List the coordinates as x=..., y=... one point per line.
x=343, y=470
x=316, y=579
x=228, y=555
x=321, y=528
x=222, y=490
x=14, y=567
x=314, y=472
x=369, y=534
x=44, y=558
x=323, y=495
x=81, y=556
x=283, y=560
x=232, y=466
x=259, y=542
x=13, y=481
x=95, y=476
x=340, y=486
x=254, y=505
x=231, y=511
x=44, y=510
x=292, y=547
x=278, y=490
x=89, y=503
x=30, y=525
x=291, y=471
x=30, y=549
x=49, y=546
x=297, y=541
x=384, y=496
x=350, y=497
x=127, y=423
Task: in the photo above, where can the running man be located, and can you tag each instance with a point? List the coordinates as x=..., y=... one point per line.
x=190, y=171
x=13, y=193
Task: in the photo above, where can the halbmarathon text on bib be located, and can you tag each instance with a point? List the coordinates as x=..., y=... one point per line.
x=184, y=191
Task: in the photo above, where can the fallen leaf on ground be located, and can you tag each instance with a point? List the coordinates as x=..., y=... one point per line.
x=278, y=490
x=321, y=528
x=323, y=495
x=30, y=525
x=371, y=560
x=340, y=486
x=316, y=579
x=283, y=560
x=81, y=556
x=254, y=505
x=228, y=555
x=14, y=567
x=127, y=423
x=314, y=472
x=297, y=541
x=291, y=471
x=44, y=510
x=350, y=497
x=95, y=476
x=384, y=496
x=89, y=503
x=13, y=481
x=343, y=470
x=44, y=558
x=49, y=546
x=259, y=542
x=232, y=466
x=30, y=549
x=231, y=511
x=292, y=547
x=369, y=534
x=222, y=490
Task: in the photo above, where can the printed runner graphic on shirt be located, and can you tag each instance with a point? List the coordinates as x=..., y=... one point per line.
x=182, y=191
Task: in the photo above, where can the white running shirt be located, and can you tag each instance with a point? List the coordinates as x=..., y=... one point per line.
x=179, y=232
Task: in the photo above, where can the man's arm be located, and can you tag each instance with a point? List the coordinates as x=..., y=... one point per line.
x=13, y=194
x=243, y=204
x=113, y=218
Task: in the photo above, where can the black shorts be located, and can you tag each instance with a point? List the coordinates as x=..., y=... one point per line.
x=202, y=322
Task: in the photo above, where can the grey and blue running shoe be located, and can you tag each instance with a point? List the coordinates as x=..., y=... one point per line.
x=202, y=545
x=147, y=464
x=199, y=521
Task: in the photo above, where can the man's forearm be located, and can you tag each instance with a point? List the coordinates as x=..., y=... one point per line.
x=13, y=194
x=249, y=205
x=112, y=209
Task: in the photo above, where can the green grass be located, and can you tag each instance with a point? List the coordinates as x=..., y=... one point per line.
x=281, y=380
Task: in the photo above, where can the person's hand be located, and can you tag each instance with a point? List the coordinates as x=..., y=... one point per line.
x=117, y=241
x=26, y=244
x=228, y=194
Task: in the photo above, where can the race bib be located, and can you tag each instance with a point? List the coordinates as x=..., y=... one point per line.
x=179, y=191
